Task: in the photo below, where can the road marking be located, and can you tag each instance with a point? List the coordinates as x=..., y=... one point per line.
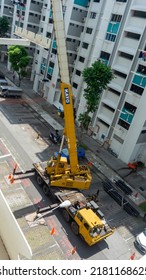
x=5, y=156
x=129, y=238
x=11, y=154
x=111, y=220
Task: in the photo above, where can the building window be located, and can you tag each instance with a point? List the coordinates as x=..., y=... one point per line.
x=51, y=64
x=97, y=1
x=89, y=30
x=81, y=59
x=140, y=14
x=48, y=35
x=50, y=20
x=141, y=69
x=85, y=45
x=123, y=124
x=75, y=85
x=132, y=35
x=114, y=91
x=54, y=51
x=104, y=57
x=116, y=18
x=78, y=73
x=137, y=89
x=110, y=37
x=124, y=1
x=120, y=74
x=126, y=55
x=92, y=15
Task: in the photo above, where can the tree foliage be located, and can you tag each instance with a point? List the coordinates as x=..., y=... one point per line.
x=19, y=59
x=4, y=26
x=97, y=78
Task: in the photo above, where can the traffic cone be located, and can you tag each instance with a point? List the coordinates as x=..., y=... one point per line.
x=9, y=177
x=52, y=231
x=12, y=180
x=73, y=250
x=132, y=257
x=89, y=163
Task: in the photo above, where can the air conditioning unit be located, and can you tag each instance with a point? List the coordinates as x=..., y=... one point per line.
x=76, y=49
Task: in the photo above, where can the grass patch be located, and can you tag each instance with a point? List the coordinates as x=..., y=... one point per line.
x=143, y=206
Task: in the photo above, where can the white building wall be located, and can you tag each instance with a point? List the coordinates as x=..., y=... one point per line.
x=135, y=128
x=11, y=234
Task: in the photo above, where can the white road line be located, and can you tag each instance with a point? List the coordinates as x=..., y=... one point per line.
x=2, y=140
x=5, y=156
x=129, y=238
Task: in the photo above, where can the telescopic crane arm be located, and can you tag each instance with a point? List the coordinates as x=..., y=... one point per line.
x=59, y=172
x=66, y=89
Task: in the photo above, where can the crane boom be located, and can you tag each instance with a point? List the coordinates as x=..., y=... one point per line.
x=66, y=88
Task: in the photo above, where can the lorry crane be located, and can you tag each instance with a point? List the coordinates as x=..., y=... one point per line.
x=58, y=171
x=56, y=176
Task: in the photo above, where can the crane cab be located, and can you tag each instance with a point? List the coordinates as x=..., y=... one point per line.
x=53, y=164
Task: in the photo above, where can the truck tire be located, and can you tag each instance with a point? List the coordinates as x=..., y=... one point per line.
x=75, y=228
x=45, y=189
x=39, y=180
x=66, y=215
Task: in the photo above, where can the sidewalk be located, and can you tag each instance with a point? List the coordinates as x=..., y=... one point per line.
x=102, y=160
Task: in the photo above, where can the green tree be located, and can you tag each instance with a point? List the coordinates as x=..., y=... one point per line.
x=19, y=59
x=4, y=26
x=97, y=78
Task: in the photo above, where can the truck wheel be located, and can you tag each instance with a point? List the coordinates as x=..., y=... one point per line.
x=39, y=180
x=45, y=189
x=75, y=228
x=66, y=215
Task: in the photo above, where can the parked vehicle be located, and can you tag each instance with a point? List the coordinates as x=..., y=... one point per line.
x=3, y=82
x=55, y=137
x=8, y=91
x=140, y=241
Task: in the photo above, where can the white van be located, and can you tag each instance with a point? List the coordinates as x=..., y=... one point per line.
x=8, y=91
x=3, y=82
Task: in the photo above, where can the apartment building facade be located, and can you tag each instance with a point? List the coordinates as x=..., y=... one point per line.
x=113, y=31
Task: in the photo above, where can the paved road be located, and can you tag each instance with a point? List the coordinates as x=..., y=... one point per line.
x=19, y=127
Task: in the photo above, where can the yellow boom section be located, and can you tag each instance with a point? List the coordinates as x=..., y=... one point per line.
x=69, y=126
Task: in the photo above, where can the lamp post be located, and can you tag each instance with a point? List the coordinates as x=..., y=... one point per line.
x=64, y=204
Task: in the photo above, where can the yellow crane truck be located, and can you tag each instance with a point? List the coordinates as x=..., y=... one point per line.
x=65, y=181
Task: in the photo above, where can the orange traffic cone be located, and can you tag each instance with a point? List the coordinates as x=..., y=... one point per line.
x=73, y=250
x=132, y=257
x=12, y=180
x=52, y=231
x=9, y=177
x=89, y=163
